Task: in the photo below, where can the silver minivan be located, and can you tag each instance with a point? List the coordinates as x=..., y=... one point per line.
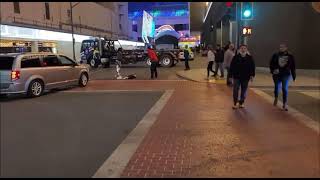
x=32, y=73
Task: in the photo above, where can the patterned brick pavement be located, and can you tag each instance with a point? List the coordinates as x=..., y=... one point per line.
x=197, y=134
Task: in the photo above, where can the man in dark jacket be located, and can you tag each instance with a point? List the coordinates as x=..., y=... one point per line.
x=242, y=69
x=282, y=66
x=186, y=58
x=219, y=56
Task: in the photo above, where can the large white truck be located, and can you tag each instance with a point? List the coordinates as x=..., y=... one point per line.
x=108, y=53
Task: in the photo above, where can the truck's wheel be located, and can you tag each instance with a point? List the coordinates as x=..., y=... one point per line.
x=166, y=61
x=107, y=64
x=148, y=61
x=93, y=63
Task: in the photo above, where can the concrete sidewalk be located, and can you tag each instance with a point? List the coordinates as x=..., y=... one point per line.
x=305, y=78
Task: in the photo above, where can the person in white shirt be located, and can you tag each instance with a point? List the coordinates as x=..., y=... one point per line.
x=228, y=55
x=211, y=58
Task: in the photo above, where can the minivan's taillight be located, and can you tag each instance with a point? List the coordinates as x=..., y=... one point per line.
x=15, y=75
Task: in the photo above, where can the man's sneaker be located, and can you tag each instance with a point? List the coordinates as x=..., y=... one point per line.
x=241, y=105
x=234, y=106
x=275, y=102
x=285, y=107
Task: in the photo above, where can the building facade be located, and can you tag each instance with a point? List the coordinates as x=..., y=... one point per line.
x=90, y=19
x=295, y=23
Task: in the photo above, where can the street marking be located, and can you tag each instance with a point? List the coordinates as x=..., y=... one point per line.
x=305, y=120
x=108, y=91
x=139, y=80
x=116, y=163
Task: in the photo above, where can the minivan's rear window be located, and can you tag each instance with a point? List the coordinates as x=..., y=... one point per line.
x=6, y=62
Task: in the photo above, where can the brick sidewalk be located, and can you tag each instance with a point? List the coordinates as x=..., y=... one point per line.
x=197, y=134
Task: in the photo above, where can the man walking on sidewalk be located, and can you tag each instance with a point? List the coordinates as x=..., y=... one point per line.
x=154, y=62
x=210, y=61
x=282, y=65
x=242, y=69
x=219, y=61
x=186, y=58
x=228, y=55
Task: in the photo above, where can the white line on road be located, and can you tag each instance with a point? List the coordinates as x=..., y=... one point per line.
x=305, y=120
x=109, y=91
x=116, y=163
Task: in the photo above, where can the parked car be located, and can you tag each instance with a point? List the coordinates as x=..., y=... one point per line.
x=33, y=73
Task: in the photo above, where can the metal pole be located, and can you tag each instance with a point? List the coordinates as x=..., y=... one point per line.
x=73, y=43
x=221, y=34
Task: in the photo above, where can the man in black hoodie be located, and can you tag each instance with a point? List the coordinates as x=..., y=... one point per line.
x=282, y=66
x=242, y=69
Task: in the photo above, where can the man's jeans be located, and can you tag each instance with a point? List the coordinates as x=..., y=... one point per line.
x=284, y=82
x=237, y=83
x=219, y=66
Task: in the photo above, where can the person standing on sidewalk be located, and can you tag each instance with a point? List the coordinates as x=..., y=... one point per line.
x=282, y=66
x=118, y=63
x=219, y=61
x=186, y=58
x=242, y=69
x=154, y=62
x=210, y=61
x=228, y=55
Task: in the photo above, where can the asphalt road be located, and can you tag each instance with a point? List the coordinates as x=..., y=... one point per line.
x=66, y=134
x=142, y=71
x=305, y=104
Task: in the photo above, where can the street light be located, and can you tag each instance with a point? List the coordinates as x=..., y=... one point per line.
x=73, y=42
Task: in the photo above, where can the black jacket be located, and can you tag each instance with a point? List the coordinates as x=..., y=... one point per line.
x=242, y=67
x=284, y=62
x=219, y=56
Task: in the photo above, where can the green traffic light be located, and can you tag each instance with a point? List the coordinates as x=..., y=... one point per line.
x=247, y=13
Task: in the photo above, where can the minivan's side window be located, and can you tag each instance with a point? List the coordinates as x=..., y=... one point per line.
x=65, y=61
x=30, y=62
x=51, y=61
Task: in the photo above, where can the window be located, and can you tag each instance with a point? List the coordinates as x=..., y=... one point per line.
x=65, y=61
x=16, y=7
x=30, y=62
x=6, y=63
x=134, y=28
x=181, y=27
x=120, y=26
x=51, y=61
x=47, y=10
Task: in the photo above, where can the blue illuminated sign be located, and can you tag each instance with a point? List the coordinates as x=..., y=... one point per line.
x=159, y=13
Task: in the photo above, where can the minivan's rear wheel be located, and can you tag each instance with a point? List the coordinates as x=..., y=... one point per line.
x=83, y=81
x=35, y=89
x=3, y=95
